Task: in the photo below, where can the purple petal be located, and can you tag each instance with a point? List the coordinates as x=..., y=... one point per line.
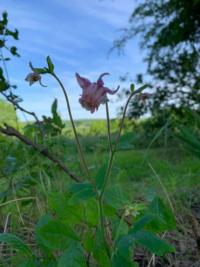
x=107, y=90
x=83, y=82
x=91, y=89
x=41, y=83
x=100, y=81
x=29, y=77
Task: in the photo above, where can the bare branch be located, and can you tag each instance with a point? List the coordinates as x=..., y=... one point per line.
x=17, y=106
x=44, y=151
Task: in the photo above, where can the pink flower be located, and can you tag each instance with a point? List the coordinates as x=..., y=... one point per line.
x=143, y=97
x=94, y=94
x=33, y=77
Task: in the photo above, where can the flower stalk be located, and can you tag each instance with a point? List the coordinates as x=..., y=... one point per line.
x=75, y=133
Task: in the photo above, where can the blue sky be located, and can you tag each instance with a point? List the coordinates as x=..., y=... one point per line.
x=77, y=35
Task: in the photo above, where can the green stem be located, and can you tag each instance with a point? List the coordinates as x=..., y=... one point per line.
x=108, y=127
x=103, y=234
x=75, y=133
x=124, y=113
x=118, y=230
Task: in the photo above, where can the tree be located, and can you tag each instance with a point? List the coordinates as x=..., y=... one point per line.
x=170, y=32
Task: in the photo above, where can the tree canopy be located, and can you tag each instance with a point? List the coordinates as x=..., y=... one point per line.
x=170, y=32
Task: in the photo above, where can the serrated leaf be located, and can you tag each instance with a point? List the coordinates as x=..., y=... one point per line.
x=44, y=219
x=69, y=215
x=50, y=64
x=164, y=219
x=15, y=242
x=152, y=243
x=116, y=196
x=82, y=195
x=73, y=257
x=92, y=212
x=75, y=188
x=88, y=243
x=57, y=236
x=100, y=176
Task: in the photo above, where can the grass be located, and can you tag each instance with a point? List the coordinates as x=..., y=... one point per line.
x=178, y=171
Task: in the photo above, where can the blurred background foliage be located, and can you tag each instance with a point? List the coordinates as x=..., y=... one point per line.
x=169, y=33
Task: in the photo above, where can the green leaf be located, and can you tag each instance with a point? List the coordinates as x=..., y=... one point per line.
x=132, y=87
x=142, y=222
x=44, y=219
x=124, y=141
x=83, y=195
x=152, y=243
x=4, y=86
x=54, y=107
x=121, y=175
x=73, y=257
x=116, y=196
x=75, y=188
x=92, y=212
x=49, y=263
x=124, y=147
x=120, y=261
x=88, y=243
x=164, y=219
x=13, y=51
x=41, y=71
x=126, y=138
x=4, y=15
x=13, y=34
x=100, y=176
x=100, y=255
x=28, y=263
x=57, y=236
x=125, y=247
x=50, y=65
x=69, y=215
x=15, y=242
x=123, y=228
x=109, y=212
x=142, y=87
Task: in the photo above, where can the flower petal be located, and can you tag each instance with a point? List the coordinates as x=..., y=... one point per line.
x=100, y=81
x=41, y=83
x=83, y=82
x=29, y=77
x=107, y=90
